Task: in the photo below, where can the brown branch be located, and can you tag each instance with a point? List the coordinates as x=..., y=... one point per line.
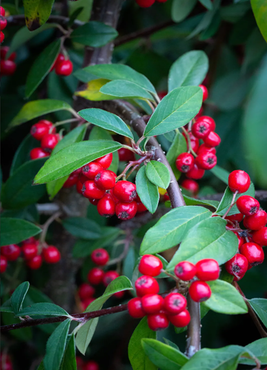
x=59, y=19
x=194, y=329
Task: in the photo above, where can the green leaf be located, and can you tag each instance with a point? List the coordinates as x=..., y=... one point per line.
x=207, y=239
x=258, y=349
x=106, y=120
x=56, y=346
x=73, y=157
x=125, y=89
x=178, y=146
x=221, y=173
x=95, y=34
x=225, y=299
x=82, y=227
x=188, y=70
x=146, y=190
x=259, y=305
x=175, y=110
x=74, y=136
x=158, y=174
x=193, y=201
x=181, y=9
x=24, y=230
x=41, y=67
x=136, y=354
x=53, y=187
x=227, y=199
x=37, y=12
x=118, y=72
x=69, y=359
x=91, y=90
x=259, y=8
x=206, y=3
x=22, y=154
x=86, y=332
x=18, y=190
x=38, y=108
x=43, y=309
x=162, y=355
x=18, y=296
x=171, y=229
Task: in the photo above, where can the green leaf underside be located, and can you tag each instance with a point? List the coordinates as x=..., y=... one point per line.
x=86, y=332
x=172, y=228
x=147, y=191
x=18, y=296
x=259, y=350
x=178, y=146
x=94, y=34
x=37, y=12
x=73, y=157
x=207, y=239
x=158, y=174
x=221, y=173
x=259, y=305
x=24, y=230
x=175, y=110
x=44, y=308
x=82, y=227
x=225, y=299
x=106, y=120
x=125, y=89
x=138, y=359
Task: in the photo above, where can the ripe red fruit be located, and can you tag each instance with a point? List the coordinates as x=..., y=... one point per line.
x=11, y=252
x=35, y=263
x=237, y=266
x=3, y=23
x=64, y=68
x=91, y=169
x=51, y=254
x=3, y=264
x=150, y=265
x=2, y=37
x=145, y=3
x=207, y=269
x=2, y=11
x=95, y=276
x=42, y=128
x=201, y=129
x=93, y=201
x=199, y=291
x=158, y=321
x=109, y=277
x=185, y=270
x=125, y=191
x=4, y=51
x=105, y=179
x=71, y=180
x=194, y=141
x=29, y=251
x=181, y=320
x=241, y=240
x=79, y=362
x=126, y=155
x=135, y=308
x=256, y=221
x=152, y=303
x=247, y=205
x=119, y=294
x=85, y=303
x=79, y=186
x=105, y=161
x=204, y=149
x=100, y=257
x=85, y=291
x=184, y=162
x=126, y=211
x=260, y=236
x=237, y=217
x=205, y=92
x=91, y=365
x=37, y=153
x=60, y=58
x=106, y=206
x=190, y=185
x=207, y=119
x=238, y=181
x=212, y=139
x=90, y=190
x=175, y=303
x=196, y=173
x=30, y=240
x=141, y=207
x=206, y=160
x=7, y=67
x=5, y=360
x=49, y=141
x=146, y=285
x=253, y=252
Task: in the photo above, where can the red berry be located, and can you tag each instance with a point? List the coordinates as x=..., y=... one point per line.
x=79, y=186
x=37, y=153
x=5, y=360
x=85, y=291
x=90, y=190
x=2, y=37
x=260, y=236
x=109, y=277
x=51, y=254
x=204, y=149
x=196, y=173
x=181, y=320
x=237, y=266
x=206, y=161
x=3, y=264
x=29, y=251
x=119, y=294
x=247, y=205
x=60, y=58
x=91, y=169
x=175, y=303
x=100, y=257
x=30, y=240
x=93, y=201
x=238, y=181
x=85, y=303
x=79, y=362
x=42, y=128
x=161, y=94
x=95, y=276
x=157, y=321
x=49, y=141
x=91, y=365
x=201, y=129
x=185, y=270
x=125, y=191
x=11, y=252
x=184, y=162
x=256, y=221
x=190, y=185
x=207, y=269
x=7, y=67
x=150, y=265
x=35, y=263
x=194, y=141
x=106, y=206
x=3, y=52
x=135, y=308
x=152, y=303
x=3, y=23
x=146, y=285
x=145, y=3
x=2, y=11
x=199, y=291
x=212, y=139
x=64, y=68
x=253, y=252
x=126, y=155
x=207, y=119
x=71, y=180
x=237, y=217
x=105, y=161
x=105, y=179
x=241, y=240
x=141, y=207
x=205, y=92
x=126, y=211
x=200, y=112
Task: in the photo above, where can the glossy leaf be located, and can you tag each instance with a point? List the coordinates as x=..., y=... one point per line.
x=171, y=229
x=74, y=136
x=162, y=355
x=207, y=239
x=95, y=34
x=158, y=174
x=221, y=173
x=206, y=3
x=53, y=187
x=73, y=157
x=194, y=201
x=136, y=354
x=18, y=296
x=82, y=227
x=24, y=230
x=259, y=305
x=125, y=89
x=22, y=154
x=106, y=120
x=258, y=349
x=37, y=12
x=147, y=191
x=43, y=309
x=178, y=146
x=259, y=8
x=86, y=332
x=188, y=70
x=69, y=359
x=227, y=198
x=175, y=110
x=91, y=90
x=181, y=9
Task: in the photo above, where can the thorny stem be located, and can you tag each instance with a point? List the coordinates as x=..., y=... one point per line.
x=46, y=226
x=189, y=142
x=231, y=205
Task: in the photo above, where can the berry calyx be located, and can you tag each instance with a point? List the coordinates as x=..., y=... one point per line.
x=37, y=153
x=184, y=162
x=185, y=270
x=100, y=257
x=247, y=205
x=146, y=285
x=126, y=211
x=3, y=264
x=201, y=129
x=86, y=291
x=207, y=269
x=109, y=276
x=11, y=252
x=260, y=236
x=195, y=173
x=90, y=190
x=158, y=321
x=190, y=185
x=135, y=308
x=105, y=161
x=239, y=181
x=64, y=68
x=199, y=291
x=212, y=139
x=253, y=253
x=29, y=251
x=237, y=266
x=95, y=276
x=106, y=206
x=51, y=254
x=180, y=320
x=91, y=169
x=205, y=92
x=105, y=179
x=35, y=263
x=256, y=221
x=175, y=303
x=125, y=191
x=49, y=141
x=207, y=119
x=150, y=265
x=152, y=303
x=206, y=160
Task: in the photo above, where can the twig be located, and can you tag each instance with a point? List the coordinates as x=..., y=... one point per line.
x=127, y=242
x=231, y=205
x=46, y=226
x=59, y=19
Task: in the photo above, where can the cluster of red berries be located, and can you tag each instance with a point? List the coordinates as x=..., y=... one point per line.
x=254, y=236
x=86, y=365
x=3, y=23
x=62, y=65
x=148, y=3
x=7, y=66
x=172, y=308
x=44, y=131
x=32, y=251
x=5, y=362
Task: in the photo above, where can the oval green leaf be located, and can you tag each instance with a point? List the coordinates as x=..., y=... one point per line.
x=18, y=296
x=22, y=154
x=125, y=89
x=146, y=190
x=43, y=309
x=82, y=227
x=37, y=12
x=158, y=174
x=259, y=305
x=24, y=230
x=259, y=8
x=95, y=34
x=258, y=349
x=181, y=9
